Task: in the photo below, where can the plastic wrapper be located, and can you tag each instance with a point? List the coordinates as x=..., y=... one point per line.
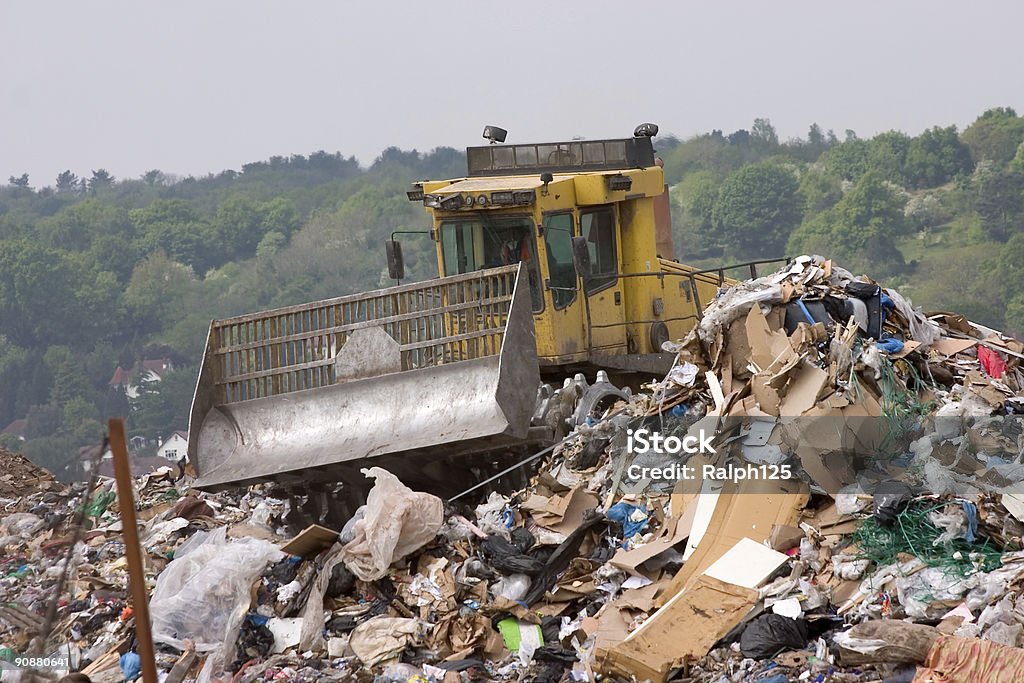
x=928, y=593
x=204, y=595
x=398, y=521
x=953, y=523
x=736, y=303
x=851, y=499
x=492, y=516
x=890, y=499
x=513, y=586
x=23, y=524
x=348, y=532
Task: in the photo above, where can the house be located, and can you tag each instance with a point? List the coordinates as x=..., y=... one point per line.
x=174, y=448
x=147, y=370
x=16, y=428
x=139, y=466
x=87, y=455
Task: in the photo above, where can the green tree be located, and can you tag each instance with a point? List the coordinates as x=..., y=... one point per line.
x=163, y=406
x=859, y=231
x=1000, y=203
x=70, y=382
x=995, y=135
x=849, y=160
x=697, y=194
x=159, y=292
x=757, y=208
x=821, y=191
x=67, y=183
x=100, y=180
x=887, y=156
x=935, y=156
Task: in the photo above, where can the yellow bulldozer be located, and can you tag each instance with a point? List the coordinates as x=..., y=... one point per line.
x=554, y=260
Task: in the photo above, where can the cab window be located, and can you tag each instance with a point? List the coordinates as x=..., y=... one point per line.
x=558, y=243
x=474, y=244
x=599, y=228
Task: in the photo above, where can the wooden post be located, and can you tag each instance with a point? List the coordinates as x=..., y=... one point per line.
x=130, y=535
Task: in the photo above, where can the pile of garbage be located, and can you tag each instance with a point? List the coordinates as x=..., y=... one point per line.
x=20, y=477
x=827, y=486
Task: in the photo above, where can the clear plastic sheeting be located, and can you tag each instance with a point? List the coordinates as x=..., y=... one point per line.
x=398, y=521
x=204, y=595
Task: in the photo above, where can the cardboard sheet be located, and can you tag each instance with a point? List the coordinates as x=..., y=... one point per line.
x=802, y=393
x=750, y=510
x=674, y=531
x=311, y=541
x=948, y=346
x=747, y=564
x=684, y=629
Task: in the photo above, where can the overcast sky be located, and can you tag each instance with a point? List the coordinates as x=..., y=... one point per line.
x=196, y=87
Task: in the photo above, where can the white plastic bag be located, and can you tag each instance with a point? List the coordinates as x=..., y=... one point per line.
x=204, y=595
x=398, y=521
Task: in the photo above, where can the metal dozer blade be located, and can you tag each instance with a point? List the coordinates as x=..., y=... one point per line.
x=406, y=376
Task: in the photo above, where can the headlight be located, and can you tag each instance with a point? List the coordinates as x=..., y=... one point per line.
x=469, y=200
x=482, y=200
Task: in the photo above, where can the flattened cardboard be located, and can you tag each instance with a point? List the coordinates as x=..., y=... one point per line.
x=673, y=532
x=803, y=390
x=950, y=347
x=684, y=629
x=747, y=564
x=749, y=510
x=311, y=541
x=759, y=338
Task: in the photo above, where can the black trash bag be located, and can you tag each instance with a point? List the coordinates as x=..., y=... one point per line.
x=507, y=559
x=554, y=653
x=550, y=627
x=561, y=557
x=592, y=453
x=283, y=572
x=770, y=634
x=461, y=665
x=862, y=290
x=342, y=581
x=255, y=641
x=522, y=539
x=890, y=499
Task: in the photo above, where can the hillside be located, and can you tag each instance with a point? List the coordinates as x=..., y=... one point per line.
x=99, y=273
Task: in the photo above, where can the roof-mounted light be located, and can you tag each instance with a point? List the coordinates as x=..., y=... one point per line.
x=645, y=130
x=495, y=134
x=619, y=182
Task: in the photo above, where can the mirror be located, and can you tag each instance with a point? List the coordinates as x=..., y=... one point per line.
x=581, y=256
x=396, y=265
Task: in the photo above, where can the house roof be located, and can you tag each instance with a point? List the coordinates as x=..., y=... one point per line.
x=122, y=377
x=182, y=434
x=17, y=427
x=138, y=466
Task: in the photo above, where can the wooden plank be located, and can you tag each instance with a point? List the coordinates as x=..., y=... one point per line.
x=130, y=535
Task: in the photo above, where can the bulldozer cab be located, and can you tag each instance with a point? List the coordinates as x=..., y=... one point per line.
x=528, y=204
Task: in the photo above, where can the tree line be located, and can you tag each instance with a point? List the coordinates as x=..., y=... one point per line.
x=98, y=272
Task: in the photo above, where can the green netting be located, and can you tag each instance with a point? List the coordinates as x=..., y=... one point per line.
x=912, y=533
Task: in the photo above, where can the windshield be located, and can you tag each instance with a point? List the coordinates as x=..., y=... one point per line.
x=474, y=243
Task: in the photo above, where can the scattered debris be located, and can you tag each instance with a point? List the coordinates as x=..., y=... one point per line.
x=852, y=502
